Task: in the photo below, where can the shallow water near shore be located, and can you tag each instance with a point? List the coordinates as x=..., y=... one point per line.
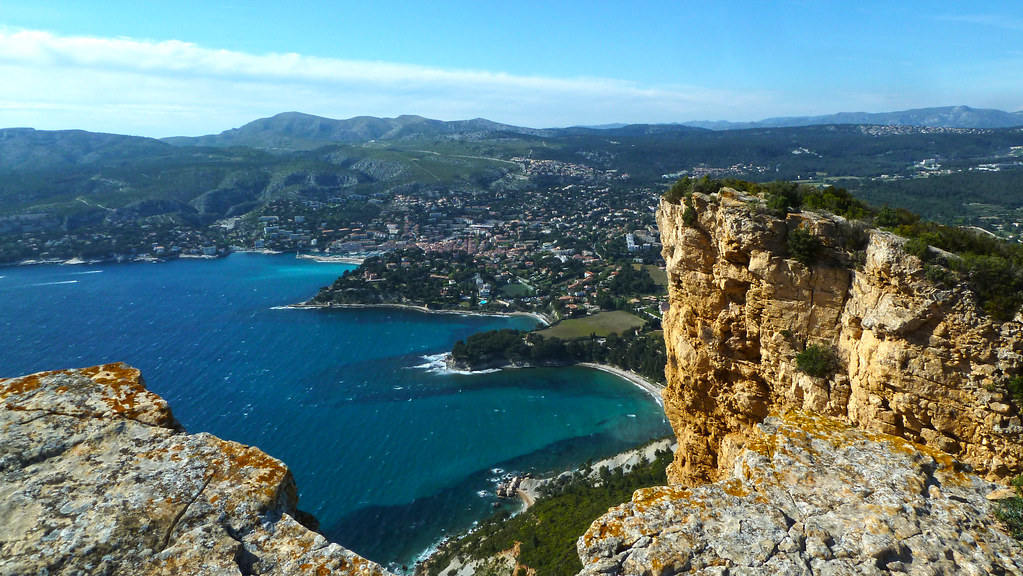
x=390, y=452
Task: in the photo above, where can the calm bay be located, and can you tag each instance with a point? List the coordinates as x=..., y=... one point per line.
x=389, y=450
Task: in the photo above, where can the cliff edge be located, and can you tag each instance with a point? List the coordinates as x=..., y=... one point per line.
x=809, y=495
x=97, y=477
x=908, y=357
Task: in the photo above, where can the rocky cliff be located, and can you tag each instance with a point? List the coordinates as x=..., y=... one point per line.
x=910, y=358
x=97, y=477
x=866, y=467
x=809, y=495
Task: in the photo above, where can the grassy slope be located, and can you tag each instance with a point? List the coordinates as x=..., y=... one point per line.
x=601, y=324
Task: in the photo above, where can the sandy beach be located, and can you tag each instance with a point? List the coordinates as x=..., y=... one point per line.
x=650, y=387
x=332, y=259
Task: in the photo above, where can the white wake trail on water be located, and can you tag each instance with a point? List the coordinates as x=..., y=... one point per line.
x=55, y=283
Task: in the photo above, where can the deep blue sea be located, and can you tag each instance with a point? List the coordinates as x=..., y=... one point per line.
x=390, y=452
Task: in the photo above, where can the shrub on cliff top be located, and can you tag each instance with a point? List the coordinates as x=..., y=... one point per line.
x=804, y=246
x=917, y=247
x=682, y=188
x=835, y=200
x=783, y=196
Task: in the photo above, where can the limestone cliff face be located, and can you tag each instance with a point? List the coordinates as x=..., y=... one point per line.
x=811, y=496
x=97, y=477
x=914, y=361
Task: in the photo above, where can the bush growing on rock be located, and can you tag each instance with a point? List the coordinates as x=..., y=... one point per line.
x=689, y=215
x=1010, y=510
x=682, y=188
x=917, y=247
x=817, y=361
x=804, y=246
x=1015, y=387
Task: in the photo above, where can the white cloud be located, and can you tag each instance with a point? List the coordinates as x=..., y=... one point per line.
x=165, y=88
x=171, y=87
x=991, y=20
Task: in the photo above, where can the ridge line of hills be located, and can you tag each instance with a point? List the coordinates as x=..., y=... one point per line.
x=301, y=131
x=285, y=129
x=938, y=117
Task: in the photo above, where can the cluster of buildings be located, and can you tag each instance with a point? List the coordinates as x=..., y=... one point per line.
x=111, y=242
x=575, y=221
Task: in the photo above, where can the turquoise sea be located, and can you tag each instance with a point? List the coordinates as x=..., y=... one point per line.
x=390, y=451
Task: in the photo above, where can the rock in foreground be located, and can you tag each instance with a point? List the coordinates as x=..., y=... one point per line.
x=807, y=496
x=97, y=477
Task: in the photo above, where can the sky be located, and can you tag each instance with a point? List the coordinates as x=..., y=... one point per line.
x=186, y=68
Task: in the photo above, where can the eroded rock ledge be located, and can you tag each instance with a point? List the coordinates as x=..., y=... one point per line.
x=809, y=495
x=915, y=360
x=97, y=477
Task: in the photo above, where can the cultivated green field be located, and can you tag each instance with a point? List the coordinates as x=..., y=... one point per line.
x=659, y=276
x=513, y=290
x=601, y=324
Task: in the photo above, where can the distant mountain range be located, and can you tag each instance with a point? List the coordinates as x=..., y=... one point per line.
x=944, y=117
x=298, y=131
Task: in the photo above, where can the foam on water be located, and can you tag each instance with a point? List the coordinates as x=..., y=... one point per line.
x=437, y=364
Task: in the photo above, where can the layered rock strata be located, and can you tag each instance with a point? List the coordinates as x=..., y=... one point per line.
x=97, y=477
x=809, y=495
x=914, y=360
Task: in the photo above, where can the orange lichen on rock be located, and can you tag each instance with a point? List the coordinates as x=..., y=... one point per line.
x=818, y=493
x=646, y=497
x=22, y=385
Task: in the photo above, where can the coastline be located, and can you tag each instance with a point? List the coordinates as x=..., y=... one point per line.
x=536, y=315
x=528, y=493
x=652, y=388
x=145, y=259
x=332, y=259
x=649, y=387
x=150, y=259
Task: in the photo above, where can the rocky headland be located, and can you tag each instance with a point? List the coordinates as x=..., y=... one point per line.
x=910, y=358
x=98, y=478
x=890, y=461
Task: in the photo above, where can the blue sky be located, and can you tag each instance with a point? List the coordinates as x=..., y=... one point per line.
x=189, y=68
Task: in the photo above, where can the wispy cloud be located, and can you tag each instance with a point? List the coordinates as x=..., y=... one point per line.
x=173, y=87
x=991, y=20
